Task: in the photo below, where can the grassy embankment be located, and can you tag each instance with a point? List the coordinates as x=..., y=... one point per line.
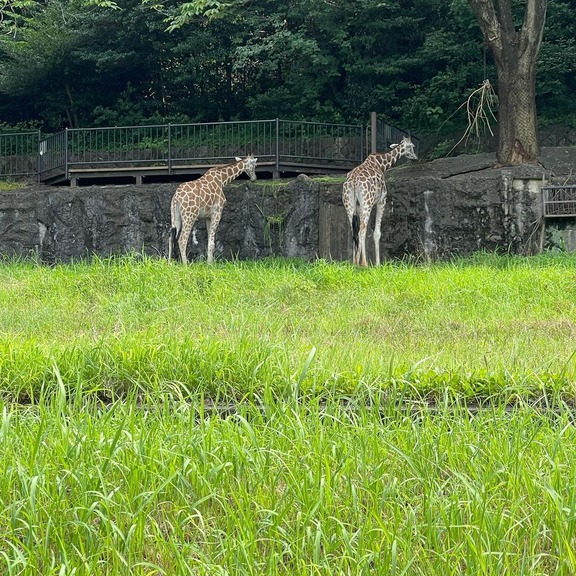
x=295, y=482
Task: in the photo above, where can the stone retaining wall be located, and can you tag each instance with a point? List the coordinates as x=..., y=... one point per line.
x=448, y=207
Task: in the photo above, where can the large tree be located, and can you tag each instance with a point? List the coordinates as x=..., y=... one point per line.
x=514, y=41
x=514, y=45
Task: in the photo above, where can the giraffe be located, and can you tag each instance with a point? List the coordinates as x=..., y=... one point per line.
x=203, y=198
x=365, y=187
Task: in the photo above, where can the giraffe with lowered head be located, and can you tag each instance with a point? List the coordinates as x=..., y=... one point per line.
x=203, y=198
x=365, y=187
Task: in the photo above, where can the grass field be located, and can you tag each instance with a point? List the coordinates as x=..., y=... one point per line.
x=346, y=442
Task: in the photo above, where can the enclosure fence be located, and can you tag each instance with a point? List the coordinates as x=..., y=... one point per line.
x=169, y=148
x=166, y=149
x=19, y=155
x=559, y=201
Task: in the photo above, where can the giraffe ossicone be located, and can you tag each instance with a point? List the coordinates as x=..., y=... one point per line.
x=365, y=188
x=203, y=198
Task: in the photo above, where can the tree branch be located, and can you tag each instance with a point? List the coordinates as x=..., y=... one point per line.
x=533, y=26
x=506, y=18
x=489, y=23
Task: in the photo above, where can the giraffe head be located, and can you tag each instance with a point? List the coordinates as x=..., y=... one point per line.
x=406, y=148
x=249, y=166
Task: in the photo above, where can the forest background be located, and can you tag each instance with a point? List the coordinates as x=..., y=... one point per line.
x=65, y=63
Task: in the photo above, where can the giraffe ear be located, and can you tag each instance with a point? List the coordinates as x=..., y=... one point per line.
x=238, y=159
x=393, y=145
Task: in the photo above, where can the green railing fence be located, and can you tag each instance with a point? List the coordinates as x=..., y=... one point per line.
x=176, y=146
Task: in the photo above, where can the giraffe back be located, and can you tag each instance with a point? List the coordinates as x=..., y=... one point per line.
x=208, y=190
x=364, y=184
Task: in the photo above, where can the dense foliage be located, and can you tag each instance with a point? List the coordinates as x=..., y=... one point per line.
x=415, y=62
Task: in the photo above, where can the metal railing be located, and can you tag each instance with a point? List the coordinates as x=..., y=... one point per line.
x=281, y=144
x=179, y=146
x=384, y=134
x=19, y=155
x=53, y=154
x=559, y=201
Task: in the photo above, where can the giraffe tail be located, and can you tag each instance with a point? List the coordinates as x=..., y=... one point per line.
x=356, y=232
x=173, y=248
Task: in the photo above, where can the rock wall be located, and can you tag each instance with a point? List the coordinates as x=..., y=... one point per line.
x=448, y=207
x=61, y=224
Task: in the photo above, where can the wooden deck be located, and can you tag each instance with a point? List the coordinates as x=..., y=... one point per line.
x=85, y=175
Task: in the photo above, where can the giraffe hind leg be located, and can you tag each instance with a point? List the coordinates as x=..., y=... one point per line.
x=184, y=235
x=378, y=231
x=182, y=243
x=212, y=226
x=362, y=249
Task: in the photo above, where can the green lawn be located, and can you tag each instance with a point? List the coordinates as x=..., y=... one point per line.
x=331, y=459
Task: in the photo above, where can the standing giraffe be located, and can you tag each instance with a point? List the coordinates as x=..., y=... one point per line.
x=364, y=186
x=203, y=198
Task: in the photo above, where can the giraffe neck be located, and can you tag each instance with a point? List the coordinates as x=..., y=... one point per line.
x=230, y=172
x=387, y=160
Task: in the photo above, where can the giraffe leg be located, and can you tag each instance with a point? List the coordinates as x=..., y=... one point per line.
x=176, y=226
x=362, y=238
x=355, y=225
x=212, y=226
x=377, y=230
x=357, y=253
x=182, y=243
x=348, y=200
x=187, y=225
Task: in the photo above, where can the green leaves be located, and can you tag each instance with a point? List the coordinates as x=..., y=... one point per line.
x=188, y=11
x=86, y=62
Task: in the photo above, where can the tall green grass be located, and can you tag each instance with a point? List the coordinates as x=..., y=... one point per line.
x=113, y=460
x=483, y=325
x=292, y=489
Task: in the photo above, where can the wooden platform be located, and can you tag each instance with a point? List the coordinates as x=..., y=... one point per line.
x=86, y=175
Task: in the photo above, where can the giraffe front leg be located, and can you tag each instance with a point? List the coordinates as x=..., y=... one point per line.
x=377, y=230
x=212, y=226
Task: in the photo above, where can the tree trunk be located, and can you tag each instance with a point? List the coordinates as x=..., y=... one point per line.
x=517, y=122
x=515, y=53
